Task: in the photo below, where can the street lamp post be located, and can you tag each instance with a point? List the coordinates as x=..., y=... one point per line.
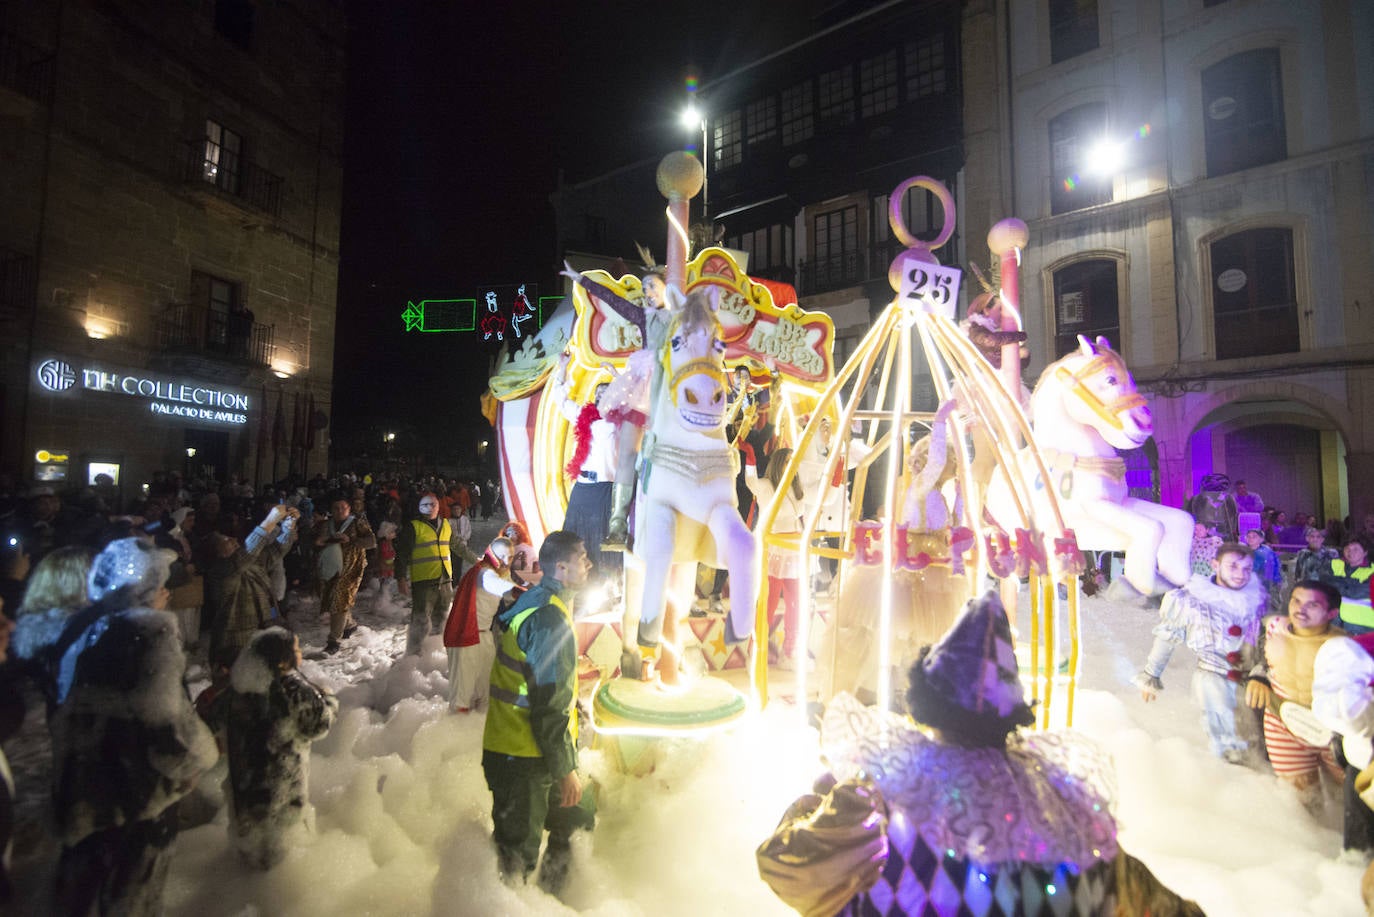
x=694, y=118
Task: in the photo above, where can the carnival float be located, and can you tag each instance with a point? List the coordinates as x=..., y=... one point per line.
x=988, y=484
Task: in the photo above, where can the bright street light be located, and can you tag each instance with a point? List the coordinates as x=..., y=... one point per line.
x=1106, y=157
x=692, y=118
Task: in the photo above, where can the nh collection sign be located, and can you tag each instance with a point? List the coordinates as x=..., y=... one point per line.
x=166, y=397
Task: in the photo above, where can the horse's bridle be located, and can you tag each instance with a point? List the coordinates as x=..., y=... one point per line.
x=1110, y=412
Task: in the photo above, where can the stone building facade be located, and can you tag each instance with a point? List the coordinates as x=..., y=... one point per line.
x=171, y=179
x=1198, y=180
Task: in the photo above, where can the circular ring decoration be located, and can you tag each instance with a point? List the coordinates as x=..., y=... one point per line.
x=894, y=212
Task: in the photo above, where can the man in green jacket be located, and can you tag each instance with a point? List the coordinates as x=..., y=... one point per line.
x=529, y=747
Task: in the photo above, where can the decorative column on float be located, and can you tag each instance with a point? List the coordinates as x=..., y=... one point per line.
x=1006, y=239
x=680, y=176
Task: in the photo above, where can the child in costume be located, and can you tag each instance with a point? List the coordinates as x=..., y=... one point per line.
x=1204, y=550
x=270, y=715
x=386, y=556
x=467, y=632
x=976, y=817
x=1219, y=618
x=1281, y=685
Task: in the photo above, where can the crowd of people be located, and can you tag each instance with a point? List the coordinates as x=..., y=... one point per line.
x=102, y=598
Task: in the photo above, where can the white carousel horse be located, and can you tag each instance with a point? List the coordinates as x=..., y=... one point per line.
x=1084, y=408
x=686, y=512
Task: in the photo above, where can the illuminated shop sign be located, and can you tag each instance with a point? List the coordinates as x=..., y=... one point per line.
x=166, y=397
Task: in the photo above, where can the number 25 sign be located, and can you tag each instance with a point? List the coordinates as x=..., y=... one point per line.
x=930, y=287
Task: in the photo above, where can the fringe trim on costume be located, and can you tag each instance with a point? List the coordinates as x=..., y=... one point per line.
x=583, y=431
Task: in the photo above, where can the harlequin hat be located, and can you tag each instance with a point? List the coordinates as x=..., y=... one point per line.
x=968, y=685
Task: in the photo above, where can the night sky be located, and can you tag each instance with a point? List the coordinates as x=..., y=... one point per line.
x=459, y=117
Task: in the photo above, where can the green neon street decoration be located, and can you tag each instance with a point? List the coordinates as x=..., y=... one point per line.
x=439, y=315
x=547, y=304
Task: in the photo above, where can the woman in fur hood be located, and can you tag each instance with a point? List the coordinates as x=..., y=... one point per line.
x=127, y=745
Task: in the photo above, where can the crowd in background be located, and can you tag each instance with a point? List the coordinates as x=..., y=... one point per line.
x=102, y=594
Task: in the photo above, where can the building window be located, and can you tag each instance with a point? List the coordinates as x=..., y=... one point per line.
x=727, y=142
x=1072, y=134
x=1242, y=112
x=836, y=246
x=224, y=313
x=234, y=20
x=1073, y=28
x=761, y=121
x=836, y=95
x=1254, y=298
x=769, y=248
x=223, y=160
x=798, y=120
x=878, y=84
x=1085, y=302
x=925, y=67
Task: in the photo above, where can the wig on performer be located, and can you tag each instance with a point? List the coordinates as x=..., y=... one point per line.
x=975, y=817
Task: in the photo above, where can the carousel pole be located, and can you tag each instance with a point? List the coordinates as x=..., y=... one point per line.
x=680, y=176
x=1005, y=240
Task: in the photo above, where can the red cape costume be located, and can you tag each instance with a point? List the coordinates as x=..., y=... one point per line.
x=461, y=627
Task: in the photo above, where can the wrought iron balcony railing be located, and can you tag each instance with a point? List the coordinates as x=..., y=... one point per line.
x=208, y=163
x=188, y=328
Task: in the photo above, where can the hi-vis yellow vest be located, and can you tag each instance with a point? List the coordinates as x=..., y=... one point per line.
x=508, y=730
x=431, y=559
x=1353, y=610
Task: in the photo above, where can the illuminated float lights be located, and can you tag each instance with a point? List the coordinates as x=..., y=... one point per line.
x=984, y=398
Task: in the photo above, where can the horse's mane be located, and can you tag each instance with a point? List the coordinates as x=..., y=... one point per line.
x=696, y=313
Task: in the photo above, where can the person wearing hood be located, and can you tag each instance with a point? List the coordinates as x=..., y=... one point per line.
x=270, y=715
x=529, y=744
x=127, y=744
x=974, y=815
x=1219, y=618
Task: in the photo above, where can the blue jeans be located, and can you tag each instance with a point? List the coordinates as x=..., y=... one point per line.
x=1216, y=695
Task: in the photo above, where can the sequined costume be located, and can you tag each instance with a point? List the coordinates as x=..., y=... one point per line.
x=1024, y=830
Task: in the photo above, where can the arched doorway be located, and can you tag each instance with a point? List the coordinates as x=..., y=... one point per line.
x=1288, y=452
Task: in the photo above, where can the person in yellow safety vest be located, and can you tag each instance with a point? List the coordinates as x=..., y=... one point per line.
x=1351, y=574
x=424, y=571
x=529, y=746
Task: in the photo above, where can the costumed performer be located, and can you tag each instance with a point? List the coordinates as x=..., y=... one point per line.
x=783, y=563
x=592, y=467
x=627, y=400
x=467, y=633
x=976, y=817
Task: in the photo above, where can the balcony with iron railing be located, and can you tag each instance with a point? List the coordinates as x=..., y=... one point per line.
x=851, y=268
x=197, y=331
x=226, y=173
x=25, y=68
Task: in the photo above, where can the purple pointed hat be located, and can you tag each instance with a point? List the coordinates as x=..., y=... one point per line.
x=968, y=684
